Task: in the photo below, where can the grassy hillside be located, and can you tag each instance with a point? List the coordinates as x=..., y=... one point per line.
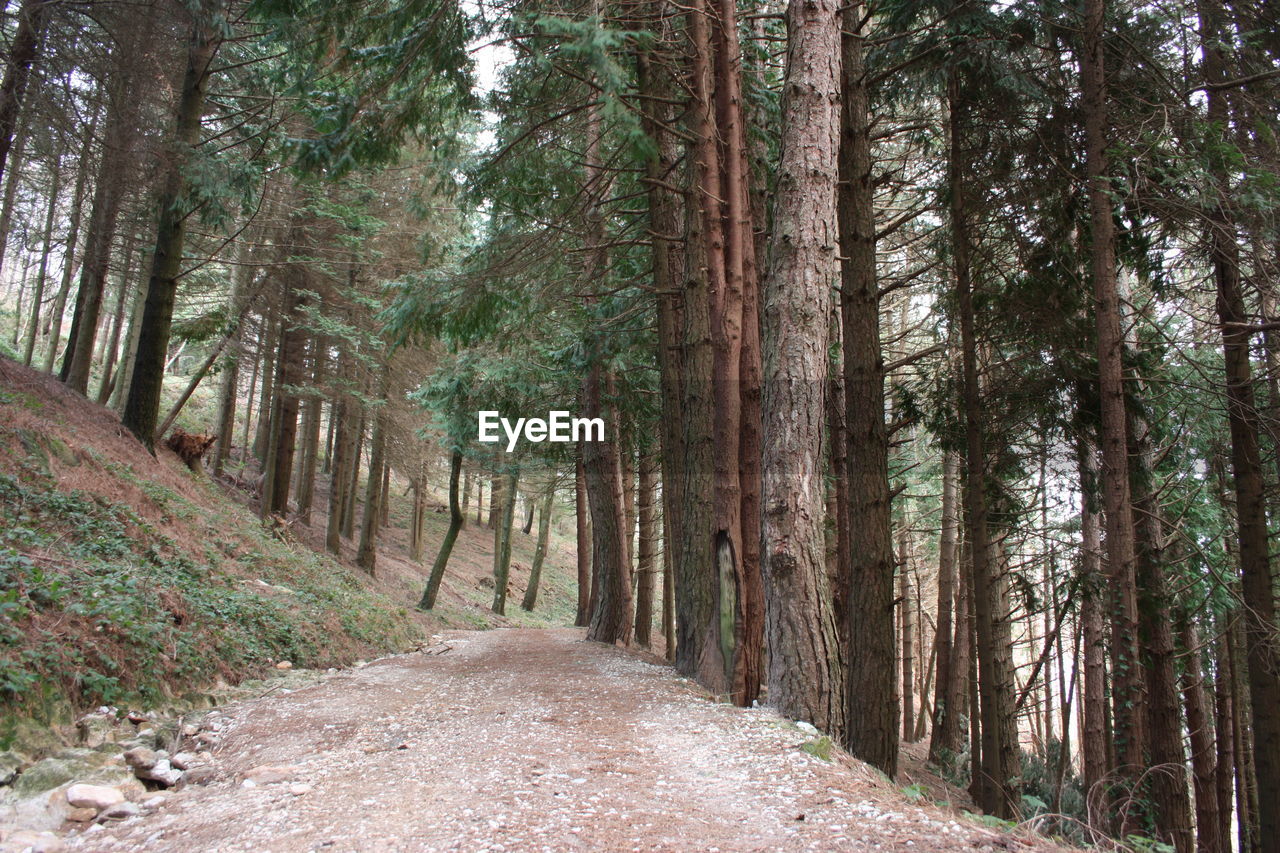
x=127, y=579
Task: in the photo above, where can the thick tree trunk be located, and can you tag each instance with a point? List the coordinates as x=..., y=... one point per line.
x=721, y=611
x=143, y=406
x=805, y=677
x=871, y=701
x=540, y=552
x=429, y=594
x=611, y=616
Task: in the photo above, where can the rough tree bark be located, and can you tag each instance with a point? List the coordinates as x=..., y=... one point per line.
x=804, y=675
x=871, y=701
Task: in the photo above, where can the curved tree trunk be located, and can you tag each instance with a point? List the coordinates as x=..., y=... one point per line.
x=540, y=553
x=429, y=594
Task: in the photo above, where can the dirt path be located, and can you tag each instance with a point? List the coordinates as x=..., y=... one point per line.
x=529, y=740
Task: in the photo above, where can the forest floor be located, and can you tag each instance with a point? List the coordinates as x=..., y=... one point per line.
x=520, y=739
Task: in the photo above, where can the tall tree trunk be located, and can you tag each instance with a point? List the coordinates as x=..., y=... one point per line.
x=945, y=737
x=666, y=212
x=1203, y=759
x=540, y=552
x=1260, y=628
x=611, y=616
x=143, y=407
x=906, y=607
x=340, y=475
x=290, y=373
x=871, y=701
x=268, y=349
x=120, y=393
x=24, y=52
x=1093, y=740
x=228, y=388
x=352, y=484
x=456, y=519
x=1224, y=716
x=502, y=542
x=115, y=168
x=804, y=649
x=1128, y=694
x=995, y=785
x=109, y=375
x=53, y=332
x=583, y=552
x=37, y=298
x=647, y=548
x=367, y=551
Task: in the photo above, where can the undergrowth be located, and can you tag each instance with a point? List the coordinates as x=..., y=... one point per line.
x=98, y=606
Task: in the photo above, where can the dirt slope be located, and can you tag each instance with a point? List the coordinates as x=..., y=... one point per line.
x=530, y=740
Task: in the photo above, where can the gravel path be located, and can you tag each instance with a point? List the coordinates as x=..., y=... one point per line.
x=527, y=740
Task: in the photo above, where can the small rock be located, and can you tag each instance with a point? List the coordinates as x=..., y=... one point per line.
x=299, y=789
x=189, y=730
x=141, y=758
x=154, y=802
x=199, y=776
x=268, y=774
x=807, y=728
x=34, y=842
x=284, y=664
x=163, y=772
x=188, y=760
x=96, y=797
x=93, y=730
x=121, y=811
x=82, y=815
